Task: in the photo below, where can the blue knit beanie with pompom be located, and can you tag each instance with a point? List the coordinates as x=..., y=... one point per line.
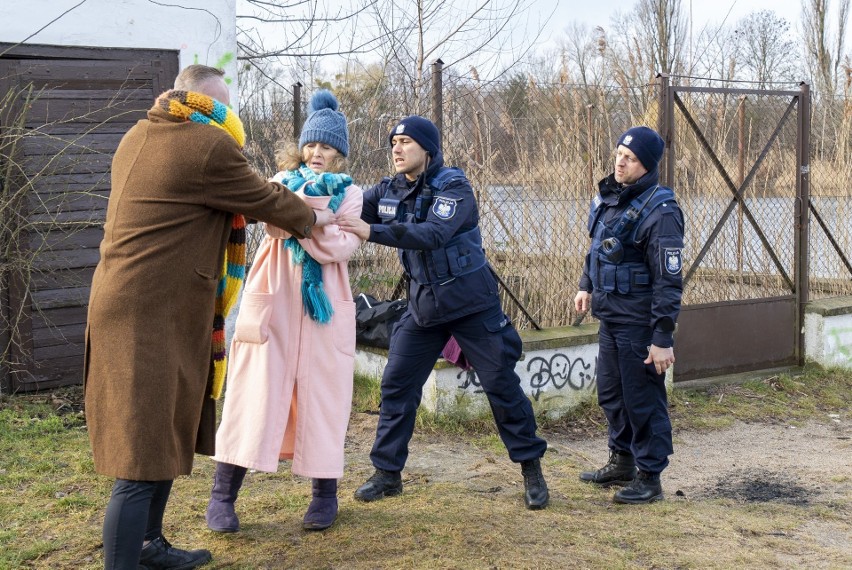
x=325, y=123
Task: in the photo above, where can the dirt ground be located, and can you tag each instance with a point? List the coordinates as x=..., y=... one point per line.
x=749, y=463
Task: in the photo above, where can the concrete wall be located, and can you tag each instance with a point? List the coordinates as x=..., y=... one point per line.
x=558, y=371
x=202, y=31
x=559, y=367
x=828, y=332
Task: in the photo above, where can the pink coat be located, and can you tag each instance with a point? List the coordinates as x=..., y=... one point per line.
x=278, y=352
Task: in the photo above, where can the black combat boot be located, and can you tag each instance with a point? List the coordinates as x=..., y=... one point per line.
x=645, y=488
x=381, y=484
x=160, y=555
x=536, y=494
x=619, y=470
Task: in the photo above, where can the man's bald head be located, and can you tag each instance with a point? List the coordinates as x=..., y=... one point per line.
x=204, y=79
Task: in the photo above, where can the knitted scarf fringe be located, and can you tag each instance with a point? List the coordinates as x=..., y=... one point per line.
x=315, y=301
x=200, y=108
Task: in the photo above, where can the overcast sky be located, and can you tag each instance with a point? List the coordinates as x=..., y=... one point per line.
x=703, y=13
x=598, y=12
x=554, y=17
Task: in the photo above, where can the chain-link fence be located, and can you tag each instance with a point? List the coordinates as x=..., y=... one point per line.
x=534, y=153
x=830, y=252
x=730, y=144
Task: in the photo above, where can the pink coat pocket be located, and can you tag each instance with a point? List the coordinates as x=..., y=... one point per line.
x=253, y=320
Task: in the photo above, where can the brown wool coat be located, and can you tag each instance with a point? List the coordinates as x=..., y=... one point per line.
x=175, y=187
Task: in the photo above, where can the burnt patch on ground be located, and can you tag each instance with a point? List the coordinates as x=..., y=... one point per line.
x=760, y=486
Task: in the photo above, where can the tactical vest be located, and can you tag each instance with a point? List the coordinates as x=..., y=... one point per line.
x=616, y=264
x=461, y=255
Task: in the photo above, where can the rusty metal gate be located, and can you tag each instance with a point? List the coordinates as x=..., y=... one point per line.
x=738, y=160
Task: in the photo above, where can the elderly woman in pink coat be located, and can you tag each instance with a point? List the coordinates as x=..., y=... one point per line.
x=292, y=357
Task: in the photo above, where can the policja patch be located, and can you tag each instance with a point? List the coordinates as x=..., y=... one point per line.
x=389, y=209
x=444, y=208
x=673, y=262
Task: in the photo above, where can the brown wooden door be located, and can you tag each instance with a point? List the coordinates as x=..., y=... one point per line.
x=64, y=113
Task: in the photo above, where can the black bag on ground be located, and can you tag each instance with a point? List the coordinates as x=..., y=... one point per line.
x=374, y=319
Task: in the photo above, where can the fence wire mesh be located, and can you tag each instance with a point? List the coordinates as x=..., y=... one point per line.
x=830, y=251
x=534, y=153
x=726, y=144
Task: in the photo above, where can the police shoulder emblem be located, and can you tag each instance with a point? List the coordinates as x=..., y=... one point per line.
x=444, y=208
x=673, y=261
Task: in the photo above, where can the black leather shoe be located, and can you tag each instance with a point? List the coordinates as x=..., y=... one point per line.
x=160, y=555
x=536, y=494
x=619, y=470
x=645, y=488
x=382, y=484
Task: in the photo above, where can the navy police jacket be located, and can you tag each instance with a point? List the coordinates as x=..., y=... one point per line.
x=633, y=268
x=434, y=223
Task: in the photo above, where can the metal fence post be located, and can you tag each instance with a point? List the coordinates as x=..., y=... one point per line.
x=5, y=335
x=802, y=215
x=438, y=95
x=590, y=162
x=297, y=110
x=665, y=126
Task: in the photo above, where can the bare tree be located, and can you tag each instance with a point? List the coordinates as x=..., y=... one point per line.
x=716, y=55
x=824, y=47
x=663, y=28
x=581, y=60
x=766, y=51
x=418, y=32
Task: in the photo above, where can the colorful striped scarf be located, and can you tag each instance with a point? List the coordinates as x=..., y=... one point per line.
x=199, y=108
x=314, y=299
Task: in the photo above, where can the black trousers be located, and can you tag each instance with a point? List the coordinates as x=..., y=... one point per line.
x=492, y=346
x=633, y=396
x=134, y=514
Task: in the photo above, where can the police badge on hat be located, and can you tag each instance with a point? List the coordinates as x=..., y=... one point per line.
x=672, y=260
x=444, y=208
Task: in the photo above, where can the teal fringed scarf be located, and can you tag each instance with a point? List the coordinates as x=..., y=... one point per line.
x=314, y=299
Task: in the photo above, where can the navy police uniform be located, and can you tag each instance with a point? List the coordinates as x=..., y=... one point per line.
x=633, y=271
x=434, y=223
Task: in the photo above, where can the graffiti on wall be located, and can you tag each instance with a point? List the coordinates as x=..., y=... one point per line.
x=843, y=349
x=222, y=63
x=559, y=371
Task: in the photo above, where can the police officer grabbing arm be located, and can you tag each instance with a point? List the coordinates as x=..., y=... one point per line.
x=428, y=212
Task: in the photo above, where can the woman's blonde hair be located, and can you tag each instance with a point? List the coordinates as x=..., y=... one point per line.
x=289, y=156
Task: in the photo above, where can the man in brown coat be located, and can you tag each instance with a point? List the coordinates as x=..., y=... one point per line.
x=177, y=184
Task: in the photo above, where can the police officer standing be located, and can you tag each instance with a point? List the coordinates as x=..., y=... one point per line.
x=632, y=279
x=429, y=213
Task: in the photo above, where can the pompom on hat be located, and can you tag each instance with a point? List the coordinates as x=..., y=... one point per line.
x=325, y=123
x=423, y=131
x=646, y=144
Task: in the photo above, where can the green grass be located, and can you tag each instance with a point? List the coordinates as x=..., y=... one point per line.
x=52, y=502
x=791, y=399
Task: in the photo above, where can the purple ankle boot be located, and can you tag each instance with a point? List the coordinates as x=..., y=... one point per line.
x=322, y=511
x=221, y=516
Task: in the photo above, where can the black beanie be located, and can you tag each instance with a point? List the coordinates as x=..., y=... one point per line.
x=646, y=144
x=423, y=131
